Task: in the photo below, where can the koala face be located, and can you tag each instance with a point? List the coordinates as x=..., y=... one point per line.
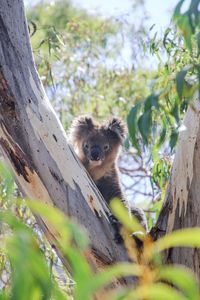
x=97, y=145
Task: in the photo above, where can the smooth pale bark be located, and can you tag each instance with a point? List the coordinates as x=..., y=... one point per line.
x=181, y=208
x=34, y=143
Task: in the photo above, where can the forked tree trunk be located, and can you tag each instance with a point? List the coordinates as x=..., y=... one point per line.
x=181, y=208
x=35, y=145
x=45, y=167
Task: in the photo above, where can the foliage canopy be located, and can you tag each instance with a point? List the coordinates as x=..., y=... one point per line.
x=80, y=60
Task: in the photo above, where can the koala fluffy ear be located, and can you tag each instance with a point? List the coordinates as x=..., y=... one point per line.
x=84, y=122
x=118, y=127
x=80, y=127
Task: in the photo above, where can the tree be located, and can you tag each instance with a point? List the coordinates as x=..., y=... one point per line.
x=181, y=208
x=79, y=57
x=35, y=145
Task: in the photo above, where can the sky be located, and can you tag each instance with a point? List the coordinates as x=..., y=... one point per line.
x=158, y=11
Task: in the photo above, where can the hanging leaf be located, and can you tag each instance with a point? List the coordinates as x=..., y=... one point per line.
x=151, y=101
x=132, y=126
x=144, y=125
x=177, y=11
x=198, y=43
x=180, y=80
x=173, y=139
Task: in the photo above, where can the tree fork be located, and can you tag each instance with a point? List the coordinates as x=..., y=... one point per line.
x=34, y=143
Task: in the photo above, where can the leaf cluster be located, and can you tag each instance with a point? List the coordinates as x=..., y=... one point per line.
x=28, y=272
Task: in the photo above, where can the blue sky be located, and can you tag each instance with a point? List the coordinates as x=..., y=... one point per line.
x=158, y=11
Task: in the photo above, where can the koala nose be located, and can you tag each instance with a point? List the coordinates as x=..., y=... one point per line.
x=95, y=153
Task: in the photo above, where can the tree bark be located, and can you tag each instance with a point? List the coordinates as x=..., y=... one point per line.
x=35, y=145
x=181, y=208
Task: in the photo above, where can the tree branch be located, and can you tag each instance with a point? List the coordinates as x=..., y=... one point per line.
x=34, y=143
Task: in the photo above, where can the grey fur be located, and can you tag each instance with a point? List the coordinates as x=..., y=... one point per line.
x=86, y=132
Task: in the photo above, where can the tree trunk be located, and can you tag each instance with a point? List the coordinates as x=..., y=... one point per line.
x=35, y=145
x=181, y=208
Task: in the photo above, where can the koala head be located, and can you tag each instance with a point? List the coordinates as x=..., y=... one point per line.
x=95, y=144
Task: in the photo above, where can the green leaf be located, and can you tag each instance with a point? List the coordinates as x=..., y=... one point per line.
x=151, y=101
x=30, y=277
x=144, y=125
x=127, y=143
x=189, y=90
x=189, y=237
x=3, y=296
x=132, y=125
x=160, y=172
x=182, y=278
x=198, y=42
x=162, y=136
x=163, y=133
x=105, y=277
x=167, y=31
x=177, y=11
x=180, y=80
x=157, y=291
x=175, y=111
x=183, y=22
x=187, y=30
x=152, y=26
x=173, y=139
x=121, y=212
x=194, y=14
x=81, y=270
x=61, y=224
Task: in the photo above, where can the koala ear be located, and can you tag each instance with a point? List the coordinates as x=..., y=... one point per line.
x=80, y=128
x=118, y=127
x=84, y=122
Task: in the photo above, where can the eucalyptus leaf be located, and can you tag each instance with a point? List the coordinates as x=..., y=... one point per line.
x=132, y=125
x=189, y=237
x=144, y=125
x=180, y=80
x=182, y=278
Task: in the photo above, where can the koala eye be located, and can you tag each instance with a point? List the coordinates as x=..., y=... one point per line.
x=106, y=147
x=86, y=146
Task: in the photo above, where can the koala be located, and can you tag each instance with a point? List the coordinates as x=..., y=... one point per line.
x=98, y=147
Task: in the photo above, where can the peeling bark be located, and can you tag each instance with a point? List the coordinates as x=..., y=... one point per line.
x=181, y=208
x=35, y=145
